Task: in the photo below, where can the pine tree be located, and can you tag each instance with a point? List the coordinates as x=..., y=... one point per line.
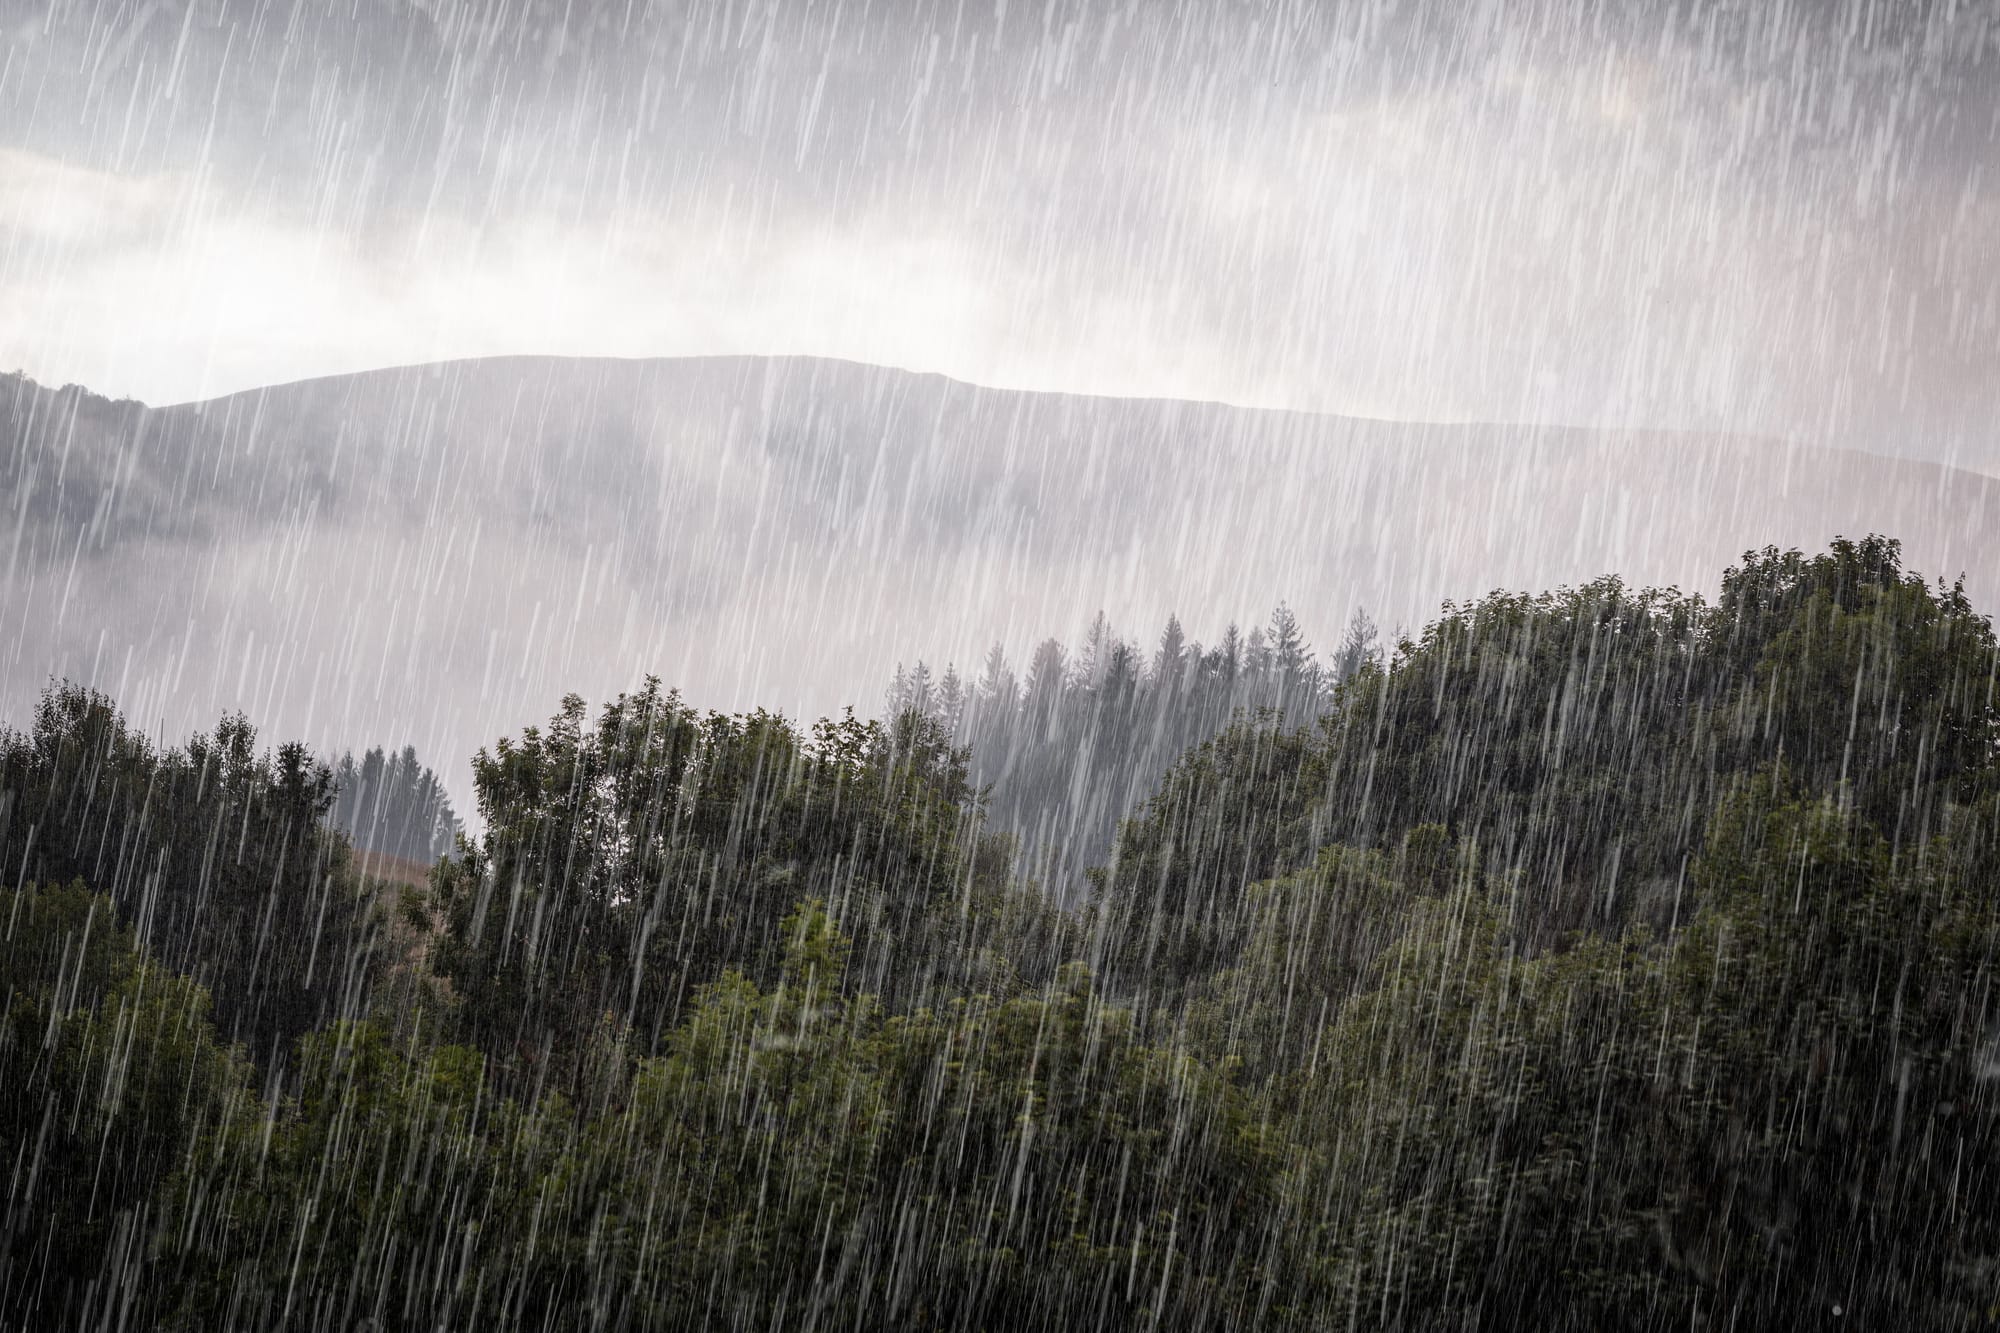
x=1358, y=649
x=1167, y=661
x=951, y=701
x=1096, y=652
x=898, y=697
x=1120, y=677
x=1048, y=676
x=996, y=688
x=922, y=696
x=1257, y=661
x=993, y=700
x=1228, y=655
x=393, y=805
x=1289, y=650
x=1292, y=662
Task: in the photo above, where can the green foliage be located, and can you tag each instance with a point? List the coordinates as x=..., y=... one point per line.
x=334, y=1207
x=214, y=853
x=1310, y=944
x=1233, y=811
x=1605, y=960
x=1580, y=737
x=110, y=1076
x=1062, y=760
x=627, y=863
x=1865, y=677
x=934, y=1168
x=1714, y=1128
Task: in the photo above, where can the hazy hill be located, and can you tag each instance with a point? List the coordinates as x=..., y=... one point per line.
x=436, y=553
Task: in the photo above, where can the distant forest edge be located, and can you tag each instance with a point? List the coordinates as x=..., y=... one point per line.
x=1602, y=958
x=1061, y=754
x=393, y=805
x=766, y=529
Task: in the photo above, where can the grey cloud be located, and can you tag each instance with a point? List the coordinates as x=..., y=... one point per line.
x=1772, y=216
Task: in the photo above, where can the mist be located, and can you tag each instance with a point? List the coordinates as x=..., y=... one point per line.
x=999, y=664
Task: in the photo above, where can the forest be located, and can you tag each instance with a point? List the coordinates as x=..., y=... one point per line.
x=1593, y=959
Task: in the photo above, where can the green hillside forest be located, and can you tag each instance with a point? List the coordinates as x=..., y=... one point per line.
x=1597, y=959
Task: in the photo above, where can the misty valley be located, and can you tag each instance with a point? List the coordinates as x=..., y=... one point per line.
x=1600, y=957
x=1230, y=666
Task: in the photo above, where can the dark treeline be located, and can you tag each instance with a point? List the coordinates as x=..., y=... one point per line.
x=216, y=856
x=630, y=860
x=1597, y=959
x=1583, y=738
x=1065, y=750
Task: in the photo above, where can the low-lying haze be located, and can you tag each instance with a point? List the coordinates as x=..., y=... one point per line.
x=437, y=554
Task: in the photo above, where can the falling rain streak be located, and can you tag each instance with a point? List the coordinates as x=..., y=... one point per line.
x=794, y=664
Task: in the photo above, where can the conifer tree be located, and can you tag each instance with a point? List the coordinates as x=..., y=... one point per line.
x=1167, y=661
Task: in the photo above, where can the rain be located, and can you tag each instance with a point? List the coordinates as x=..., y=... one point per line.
x=851, y=664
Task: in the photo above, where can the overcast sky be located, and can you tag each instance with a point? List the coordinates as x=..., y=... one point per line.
x=1768, y=216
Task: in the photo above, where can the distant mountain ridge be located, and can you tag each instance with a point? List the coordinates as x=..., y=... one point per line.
x=437, y=553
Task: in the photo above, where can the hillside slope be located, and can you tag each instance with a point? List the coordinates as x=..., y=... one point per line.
x=428, y=553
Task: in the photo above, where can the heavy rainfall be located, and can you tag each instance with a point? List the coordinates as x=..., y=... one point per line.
x=853, y=664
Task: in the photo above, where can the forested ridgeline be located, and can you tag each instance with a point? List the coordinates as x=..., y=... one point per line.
x=1062, y=753
x=1600, y=959
x=392, y=805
